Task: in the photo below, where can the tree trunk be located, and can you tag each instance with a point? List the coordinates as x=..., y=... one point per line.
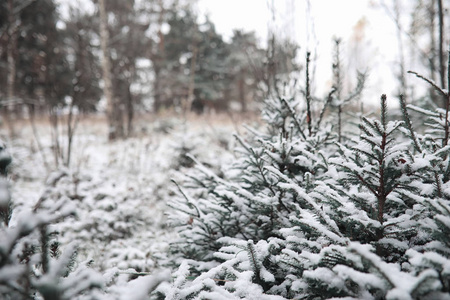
x=53, y=117
x=402, y=78
x=112, y=108
x=441, y=44
x=130, y=111
x=157, y=60
x=11, y=76
x=191, y=87
x=157, y=99
x=242, y=97
x=432, y=58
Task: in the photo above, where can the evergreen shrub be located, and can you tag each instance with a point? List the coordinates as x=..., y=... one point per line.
x=306, y=214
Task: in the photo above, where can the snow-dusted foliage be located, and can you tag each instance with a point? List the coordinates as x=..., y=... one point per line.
x=102, y=222
x=31, y=262
x=300, y=216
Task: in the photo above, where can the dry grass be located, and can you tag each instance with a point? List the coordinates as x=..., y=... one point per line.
x=96, y=124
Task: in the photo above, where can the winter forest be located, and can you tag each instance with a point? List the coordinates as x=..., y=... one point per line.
x=147, y=154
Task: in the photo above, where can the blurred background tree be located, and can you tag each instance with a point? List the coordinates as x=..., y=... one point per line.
x=162, y=55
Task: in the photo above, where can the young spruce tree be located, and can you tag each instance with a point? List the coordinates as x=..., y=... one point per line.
x=303, y=216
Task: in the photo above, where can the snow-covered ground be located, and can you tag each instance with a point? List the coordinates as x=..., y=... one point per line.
x=120, y=188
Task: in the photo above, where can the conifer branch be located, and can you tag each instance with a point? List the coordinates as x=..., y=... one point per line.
x=365, y=130
x=25, y=229
x=379, y=129
x=202, y=168
x=293, y=115
x=241, y=141
x=15, y=287
x=261, y=171
x=359, y=87
x=188, y=200
x=370, y=155
x=437, y=179
x=431, y=82
x=423, y=278
x=374, y=261
x=371, y=125
x=363, y=181
x=254, y=260
x=408, y=123
x=423, y=111
x=325, y=106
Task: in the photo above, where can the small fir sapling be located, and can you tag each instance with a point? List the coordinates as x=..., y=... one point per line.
x=380, y=166
x=435, y=140
x=412, y=220
x=355, y=205
x=373, y=200
x=31, y=264
x=235, y=201
x=394, y=190
x=251, y=202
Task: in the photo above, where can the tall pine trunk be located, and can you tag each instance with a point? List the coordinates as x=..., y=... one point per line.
x=115, y=128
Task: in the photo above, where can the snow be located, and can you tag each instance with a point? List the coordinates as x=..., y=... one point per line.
x=395, y=243
x=362, y=279
x=326, y=275
x=140, y=288
x=119, y=192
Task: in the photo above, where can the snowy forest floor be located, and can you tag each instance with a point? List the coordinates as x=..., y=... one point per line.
x=121, y=187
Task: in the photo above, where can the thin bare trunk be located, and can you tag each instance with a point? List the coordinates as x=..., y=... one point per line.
x=241, y=85
x=11, y=76
x=31, y=112
x=157, y=104
x=157, y=58
x=447, y=104
x=403, y=85
x=308, y=95
x=272, y=69
x=130, y=111
x=338, y=85
x=162, y=12
x=111, y=107
x=191, y=87
x=72, y=122
x=441, y=44
x=432, y=15
x=432, y=57
x=53, y=116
